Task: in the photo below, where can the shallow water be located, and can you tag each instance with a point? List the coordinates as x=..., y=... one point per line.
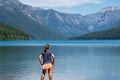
x=73, y=62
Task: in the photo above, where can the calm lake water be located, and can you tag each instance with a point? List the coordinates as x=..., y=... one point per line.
x=76, y=60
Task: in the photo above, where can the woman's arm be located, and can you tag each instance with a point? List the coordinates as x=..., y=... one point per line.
x=53, y=58
x=40, y=59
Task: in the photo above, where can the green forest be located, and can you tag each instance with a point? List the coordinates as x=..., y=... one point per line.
x=111, y=34
x=8, y=32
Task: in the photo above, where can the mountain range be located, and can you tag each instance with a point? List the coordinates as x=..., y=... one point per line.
x=22, y=17
x=51, y=24
x=76, y=24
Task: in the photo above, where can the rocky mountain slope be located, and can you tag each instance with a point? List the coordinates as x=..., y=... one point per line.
x=22, y=16
x=54, y=24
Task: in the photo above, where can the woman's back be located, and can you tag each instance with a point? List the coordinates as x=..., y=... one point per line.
x=46, y=56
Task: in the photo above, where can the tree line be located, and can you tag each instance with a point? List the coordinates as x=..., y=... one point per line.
x=110, y=34
x=8, y=32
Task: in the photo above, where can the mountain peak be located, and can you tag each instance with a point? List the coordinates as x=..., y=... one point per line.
x=109, y=8
x=10, y=3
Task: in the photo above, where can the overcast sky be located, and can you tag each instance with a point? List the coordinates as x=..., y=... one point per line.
x=73, y=6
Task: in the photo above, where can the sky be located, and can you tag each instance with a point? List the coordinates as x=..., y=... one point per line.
x=82, y=7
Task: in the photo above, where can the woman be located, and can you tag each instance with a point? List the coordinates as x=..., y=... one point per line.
x=46, y=60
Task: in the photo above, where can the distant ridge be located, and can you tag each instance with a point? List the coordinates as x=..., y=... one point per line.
x=113, y=33
x=109, y=8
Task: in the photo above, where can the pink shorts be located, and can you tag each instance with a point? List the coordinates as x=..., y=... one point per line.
x=47, y=66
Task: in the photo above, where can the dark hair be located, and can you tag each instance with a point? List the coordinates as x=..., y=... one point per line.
x=46, y=47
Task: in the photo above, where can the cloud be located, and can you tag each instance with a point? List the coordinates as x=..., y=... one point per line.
x=58, y=3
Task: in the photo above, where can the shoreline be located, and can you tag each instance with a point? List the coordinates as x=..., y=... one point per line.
x=60, y=42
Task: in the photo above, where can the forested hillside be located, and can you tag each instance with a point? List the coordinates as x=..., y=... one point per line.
x=113, y=33
x=7, y=32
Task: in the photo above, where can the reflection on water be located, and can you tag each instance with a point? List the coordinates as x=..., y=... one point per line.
x=72, y=63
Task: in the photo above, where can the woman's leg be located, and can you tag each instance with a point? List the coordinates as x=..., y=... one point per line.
x=50, y=73
x=43, y=74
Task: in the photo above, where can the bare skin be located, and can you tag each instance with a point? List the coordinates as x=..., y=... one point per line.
x=50, y=73
x=44, y=70
x=43, y=74
x=49, y=70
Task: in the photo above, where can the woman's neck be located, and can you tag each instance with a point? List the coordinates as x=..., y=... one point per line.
x=45, y=50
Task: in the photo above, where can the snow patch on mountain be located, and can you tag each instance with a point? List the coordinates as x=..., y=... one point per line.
x=59, y=17
x=91, y=27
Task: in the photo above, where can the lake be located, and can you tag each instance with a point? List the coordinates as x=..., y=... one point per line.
x=75, y=60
